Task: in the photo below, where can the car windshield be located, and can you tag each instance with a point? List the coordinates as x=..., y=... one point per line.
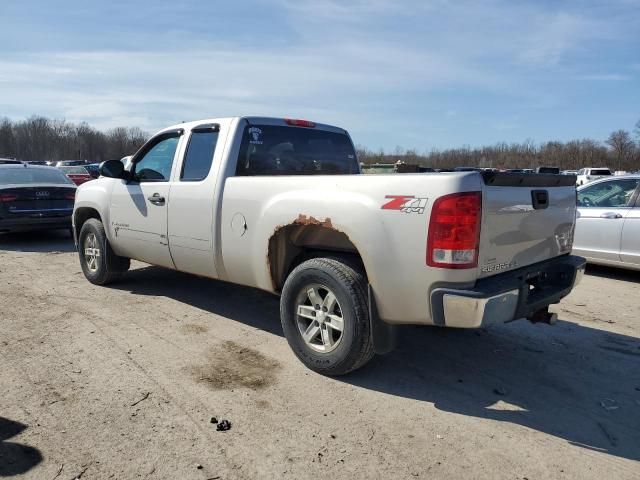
x=280, y=150
x=27, y=176
x=600, y=172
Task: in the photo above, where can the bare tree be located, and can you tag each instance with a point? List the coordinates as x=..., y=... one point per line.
x=622, y=146
x=39, y=138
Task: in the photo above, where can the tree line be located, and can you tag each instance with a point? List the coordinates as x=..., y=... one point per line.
x=41, y=138
x=618, y=152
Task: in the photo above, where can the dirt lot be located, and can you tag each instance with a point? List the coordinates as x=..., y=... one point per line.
x=122, y=382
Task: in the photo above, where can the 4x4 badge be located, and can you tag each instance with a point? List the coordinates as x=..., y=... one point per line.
x=406, y=203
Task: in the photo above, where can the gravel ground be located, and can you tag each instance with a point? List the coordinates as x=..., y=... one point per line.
x=123, y=382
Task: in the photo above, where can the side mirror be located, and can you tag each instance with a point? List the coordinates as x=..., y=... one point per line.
x=113, y=169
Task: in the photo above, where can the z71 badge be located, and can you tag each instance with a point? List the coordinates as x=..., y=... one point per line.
x=405, y=203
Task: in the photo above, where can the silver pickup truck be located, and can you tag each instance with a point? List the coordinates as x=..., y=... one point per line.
x=280, y=205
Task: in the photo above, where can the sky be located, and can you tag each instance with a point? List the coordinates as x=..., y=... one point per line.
x=428, y=74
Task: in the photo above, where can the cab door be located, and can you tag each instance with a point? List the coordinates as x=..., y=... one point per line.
x=138, y=207
x=192, y=204
x=602, y=209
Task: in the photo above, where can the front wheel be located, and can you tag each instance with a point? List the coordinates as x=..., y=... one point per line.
x=325, y=316
x=99, y=263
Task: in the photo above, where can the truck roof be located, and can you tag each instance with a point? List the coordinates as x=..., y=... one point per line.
x=252, y=120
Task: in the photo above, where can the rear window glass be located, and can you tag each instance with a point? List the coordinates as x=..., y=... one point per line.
x=600, y=172
x=275, y=150
x=26, y=176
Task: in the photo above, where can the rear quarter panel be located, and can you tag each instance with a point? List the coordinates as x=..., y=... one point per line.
x=391, y=242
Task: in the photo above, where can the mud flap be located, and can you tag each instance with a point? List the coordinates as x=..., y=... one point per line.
x=383, y=334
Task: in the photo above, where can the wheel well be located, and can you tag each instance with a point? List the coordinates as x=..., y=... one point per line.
x=293, y=244
x=82, y=215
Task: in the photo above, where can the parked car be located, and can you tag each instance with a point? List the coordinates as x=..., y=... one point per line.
x=34, y=198
x=36, y=162
x=78, y=174
x=279, y=204
x=520, y=170
x=586, y=175
x=569, y=172
x=70, y=163
x=608, y=222
x=93, y=169
x=554, y=170
x=9, y=161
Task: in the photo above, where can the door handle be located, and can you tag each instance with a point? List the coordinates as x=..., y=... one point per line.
x=611, y=215
x=156, y=199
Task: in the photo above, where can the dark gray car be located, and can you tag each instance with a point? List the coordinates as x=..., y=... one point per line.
x=35, y=198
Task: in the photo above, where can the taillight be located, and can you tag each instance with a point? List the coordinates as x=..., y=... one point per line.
x=8, y=197
x=454, y=231
x=299, y=123
x=70, y=195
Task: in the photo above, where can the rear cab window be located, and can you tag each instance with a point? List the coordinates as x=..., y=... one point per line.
x=600, y=171
x=291, y=150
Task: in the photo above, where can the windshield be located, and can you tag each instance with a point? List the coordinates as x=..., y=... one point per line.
x=275, y=150
x=600, y=172
x=26, y=176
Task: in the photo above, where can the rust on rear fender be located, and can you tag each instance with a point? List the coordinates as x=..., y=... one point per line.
x=302, y=220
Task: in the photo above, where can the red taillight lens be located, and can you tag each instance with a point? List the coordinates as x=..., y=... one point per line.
x=8, y=197
x=70, y=196
x=299, y=123
x=454, y=231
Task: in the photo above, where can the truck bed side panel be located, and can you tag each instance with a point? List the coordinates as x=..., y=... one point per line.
x=390, y=240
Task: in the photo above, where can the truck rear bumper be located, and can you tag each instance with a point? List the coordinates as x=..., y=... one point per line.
x=508, y=296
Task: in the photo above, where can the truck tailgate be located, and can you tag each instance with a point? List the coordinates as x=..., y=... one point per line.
x=526, y=218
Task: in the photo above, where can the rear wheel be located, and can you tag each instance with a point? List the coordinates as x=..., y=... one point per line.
x=99, y=263
x=325, y=317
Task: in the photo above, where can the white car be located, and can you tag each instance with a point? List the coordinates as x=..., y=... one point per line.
x=280, y=205
x=608, y=222
x=586, y=175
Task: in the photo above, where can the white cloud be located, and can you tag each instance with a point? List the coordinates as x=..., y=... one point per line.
x=108, y=88
x=369, y=65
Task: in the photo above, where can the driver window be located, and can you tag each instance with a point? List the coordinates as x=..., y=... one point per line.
x=611, y=194
x=155, y=165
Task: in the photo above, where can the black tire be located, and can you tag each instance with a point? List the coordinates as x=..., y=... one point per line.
x=108, y=266
x=348, y=283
